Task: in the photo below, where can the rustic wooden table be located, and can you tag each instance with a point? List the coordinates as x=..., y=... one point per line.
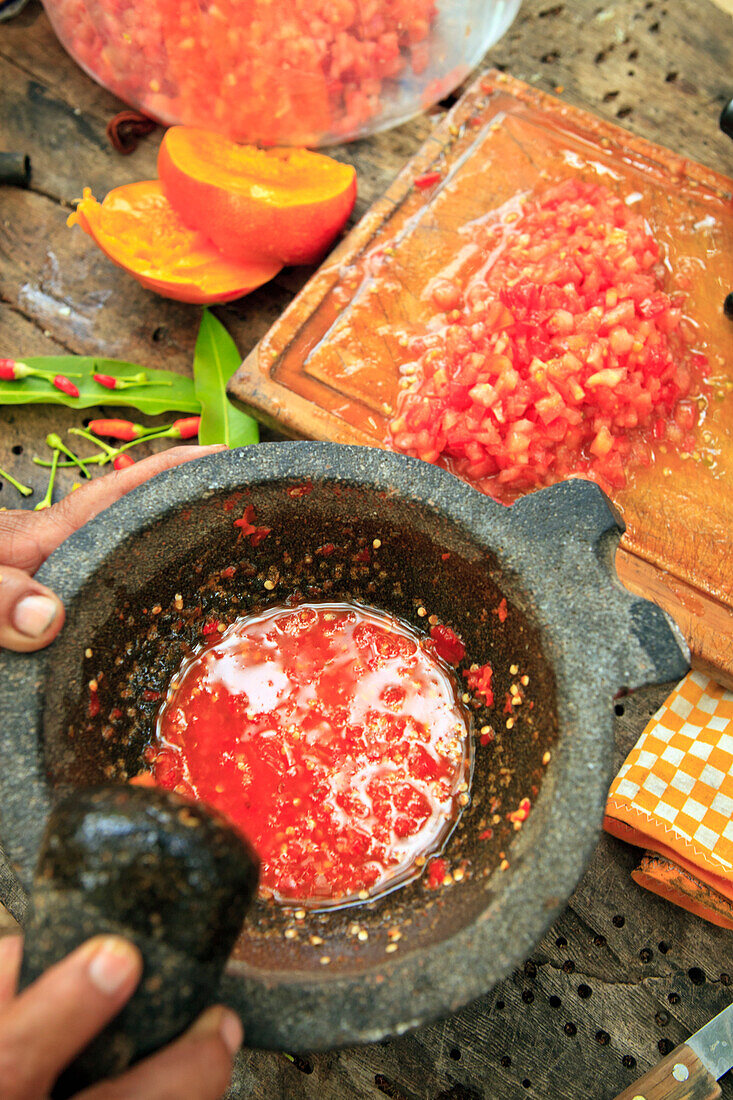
x=622, y=977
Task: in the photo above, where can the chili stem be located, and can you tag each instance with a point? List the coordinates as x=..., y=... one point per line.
x=49, y=375
x=95, y=460
x=156, y=434
x=110, y=451
x=126, y=384
x=46, y=502
x=25, y=490
x=53, y=440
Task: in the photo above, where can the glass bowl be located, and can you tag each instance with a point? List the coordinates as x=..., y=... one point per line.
x=274, y=72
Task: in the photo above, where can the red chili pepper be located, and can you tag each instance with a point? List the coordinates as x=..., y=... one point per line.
x=121, y=462
x=117, y=429
x=111, y=382
x=61, y=382
x=186, y=428
x=303, y=490
x=11, y=370
x=106, y=380
x=428, y=180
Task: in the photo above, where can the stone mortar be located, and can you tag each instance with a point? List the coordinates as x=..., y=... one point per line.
x=142, y=579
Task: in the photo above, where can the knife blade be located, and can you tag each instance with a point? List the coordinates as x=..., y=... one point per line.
x=713, y=1043
x=692, y=1070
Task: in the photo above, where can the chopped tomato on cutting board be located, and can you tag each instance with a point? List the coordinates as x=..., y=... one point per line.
x=563, y=354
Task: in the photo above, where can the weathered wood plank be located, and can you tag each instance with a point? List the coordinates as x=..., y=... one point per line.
x=68, y=148
x=661, y=70
x=16, y=331
x=580, y=46
x=70, y=289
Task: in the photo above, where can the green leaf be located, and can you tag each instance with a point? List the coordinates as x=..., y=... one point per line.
x=214, y=361
x=179, y=396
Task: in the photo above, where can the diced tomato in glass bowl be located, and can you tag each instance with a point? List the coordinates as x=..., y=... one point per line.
x=273, y=72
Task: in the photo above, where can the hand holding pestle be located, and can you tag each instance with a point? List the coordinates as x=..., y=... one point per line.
x=161, y=871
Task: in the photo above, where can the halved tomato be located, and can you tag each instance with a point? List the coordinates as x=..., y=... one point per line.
x=285, y=205
x=138, y=229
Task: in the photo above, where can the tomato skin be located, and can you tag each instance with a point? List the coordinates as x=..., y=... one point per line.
x=571, y=356
x=447, y=644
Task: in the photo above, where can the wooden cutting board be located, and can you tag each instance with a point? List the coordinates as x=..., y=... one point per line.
x=327, y=370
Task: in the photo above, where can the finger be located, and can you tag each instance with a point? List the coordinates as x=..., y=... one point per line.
x=197, y=1066
x=30, y=614
x=53, y=1020
x=27, y=538
x=11, y=952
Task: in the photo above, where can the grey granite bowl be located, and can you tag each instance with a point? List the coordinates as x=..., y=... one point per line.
x=142, y=579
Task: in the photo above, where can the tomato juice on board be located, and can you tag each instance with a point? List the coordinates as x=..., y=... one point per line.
x=332, y=736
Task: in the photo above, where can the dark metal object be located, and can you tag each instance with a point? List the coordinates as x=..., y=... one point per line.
x=580, y=636
x=726, y=119
x=166, y=874
x=713, y=1043
x=728, y=305
x=15, y=169
x=9, y=8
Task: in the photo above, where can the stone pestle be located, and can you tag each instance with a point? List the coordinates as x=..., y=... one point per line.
x=164, y=872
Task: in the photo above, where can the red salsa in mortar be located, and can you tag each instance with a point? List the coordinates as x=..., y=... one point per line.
x=331, y=735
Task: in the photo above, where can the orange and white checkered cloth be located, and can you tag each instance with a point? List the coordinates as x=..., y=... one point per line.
x=674, y=797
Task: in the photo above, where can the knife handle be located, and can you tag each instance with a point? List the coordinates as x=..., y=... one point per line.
x=680, y=1076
